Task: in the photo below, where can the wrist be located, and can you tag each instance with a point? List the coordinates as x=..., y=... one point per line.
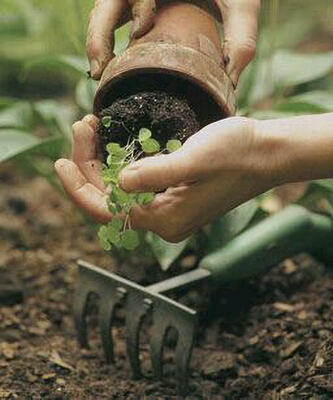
x=270, y=151
x=296, y=149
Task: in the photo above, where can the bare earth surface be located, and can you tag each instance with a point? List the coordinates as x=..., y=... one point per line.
x=269, y=340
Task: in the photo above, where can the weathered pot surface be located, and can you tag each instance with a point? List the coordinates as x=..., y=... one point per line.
x=174, y=56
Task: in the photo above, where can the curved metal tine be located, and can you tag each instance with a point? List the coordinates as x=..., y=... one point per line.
x=105, y=315
x=157, y=337
x=134, y=317
x=186, y=336
x=80, y=311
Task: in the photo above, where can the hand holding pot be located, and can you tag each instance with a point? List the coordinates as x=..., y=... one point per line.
x=240, y=18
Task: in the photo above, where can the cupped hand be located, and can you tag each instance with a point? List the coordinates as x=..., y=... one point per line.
x=81, y=176
x=240, y=19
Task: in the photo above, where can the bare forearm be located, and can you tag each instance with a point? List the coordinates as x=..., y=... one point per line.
x=301, y=148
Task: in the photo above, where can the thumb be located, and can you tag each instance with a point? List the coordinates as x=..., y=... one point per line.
x=143, y=12
x=155, y=173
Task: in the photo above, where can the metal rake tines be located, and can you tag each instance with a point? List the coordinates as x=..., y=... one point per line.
x=137, y=302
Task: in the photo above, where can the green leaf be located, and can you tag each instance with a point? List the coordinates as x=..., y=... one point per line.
x=109, y=160
x=85, y=92
x=165, y=253
x=145, y=198
x=325, y=183
x=109, y=176
x=117, y=223
x=116, y=150
x=122, y=198
x=173, y=145
x=144, y=135
x=18, y=115
x=311, y=102
x=113, y=235
x=130, y=239
x=15, y=143
x=230, y=225
x=106, y=121
x=287, y=68
x=150, y=146
x=103, y=237
x=76, y=64
x=57, y=116
x=6, y=102
x=122, y=38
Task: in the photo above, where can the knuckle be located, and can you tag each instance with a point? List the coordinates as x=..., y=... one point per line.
x=172, y=231
x=243, y=123
x=141, y=179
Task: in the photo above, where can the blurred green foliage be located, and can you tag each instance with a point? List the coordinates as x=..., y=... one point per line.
x=44, y=85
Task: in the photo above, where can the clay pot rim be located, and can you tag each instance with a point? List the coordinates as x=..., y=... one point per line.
x=135, y=61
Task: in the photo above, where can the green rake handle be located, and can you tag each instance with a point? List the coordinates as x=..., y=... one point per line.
x=254, y=252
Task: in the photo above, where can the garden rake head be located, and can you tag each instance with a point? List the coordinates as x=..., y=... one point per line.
x=254, y=252
x=137, y=301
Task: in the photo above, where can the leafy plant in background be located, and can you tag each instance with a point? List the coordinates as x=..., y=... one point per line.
x=41, y=66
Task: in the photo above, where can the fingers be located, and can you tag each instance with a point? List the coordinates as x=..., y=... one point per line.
x=103, y=21
x=84, y=153
x=143, y=12
x=240, y=18
x=156, y=173
x=84, y=143
x=84, y=194
x=91, y=120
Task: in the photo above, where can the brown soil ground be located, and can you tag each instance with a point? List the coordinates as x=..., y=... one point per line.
x=269, y=340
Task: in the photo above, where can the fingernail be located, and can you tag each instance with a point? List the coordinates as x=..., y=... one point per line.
x=94, y=68
x=59, y=163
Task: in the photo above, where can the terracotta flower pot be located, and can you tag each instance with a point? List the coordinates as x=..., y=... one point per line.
x=180, y=54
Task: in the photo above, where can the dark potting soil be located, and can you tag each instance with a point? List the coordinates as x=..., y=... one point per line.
x=166, y=115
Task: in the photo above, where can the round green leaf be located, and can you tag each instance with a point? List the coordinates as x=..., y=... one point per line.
x=116, y=150
x=173, y=145
x=111, y=206
x=106, y=121
x=150, y=146
x=103, y=237
x=117, y=223
x=109, y=160
x=144, y=134
x=130, y=239
x=113, y=235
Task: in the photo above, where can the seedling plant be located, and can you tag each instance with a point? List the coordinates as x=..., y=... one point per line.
x=119, y=231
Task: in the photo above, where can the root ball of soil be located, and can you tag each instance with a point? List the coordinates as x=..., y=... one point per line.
x=167, y=116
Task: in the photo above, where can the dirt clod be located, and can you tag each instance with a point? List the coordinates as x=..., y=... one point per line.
x=167, y=116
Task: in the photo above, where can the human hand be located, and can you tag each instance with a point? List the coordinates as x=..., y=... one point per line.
x=220, y=167
x=240, y=18
x=81, y=176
